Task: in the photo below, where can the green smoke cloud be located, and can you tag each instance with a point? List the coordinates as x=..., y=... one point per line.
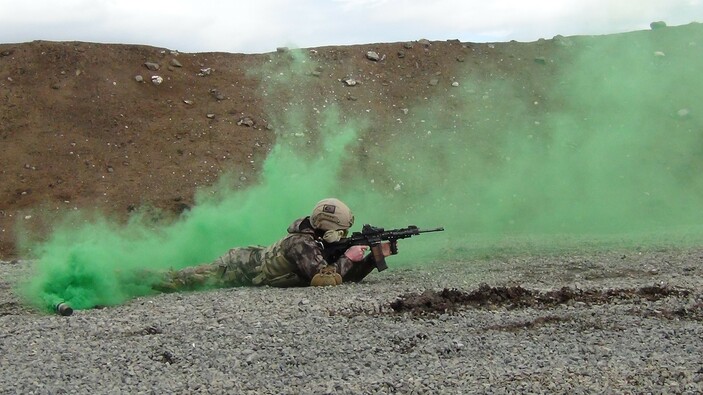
x=602, y=142
x=97, y=261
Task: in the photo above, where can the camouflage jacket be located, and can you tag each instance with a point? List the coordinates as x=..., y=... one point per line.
x=301, y=252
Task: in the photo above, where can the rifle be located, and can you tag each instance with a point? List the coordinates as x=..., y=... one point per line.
x=372, y=236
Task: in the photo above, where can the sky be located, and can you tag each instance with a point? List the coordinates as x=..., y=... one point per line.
x=259, y=26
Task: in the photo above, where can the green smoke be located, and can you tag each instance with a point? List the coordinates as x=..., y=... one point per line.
x=601, y=142
x=97, y=261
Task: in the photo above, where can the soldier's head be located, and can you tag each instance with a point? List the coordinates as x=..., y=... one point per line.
x=332, y=218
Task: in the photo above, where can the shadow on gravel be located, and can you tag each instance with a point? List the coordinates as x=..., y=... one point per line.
x=452, y=300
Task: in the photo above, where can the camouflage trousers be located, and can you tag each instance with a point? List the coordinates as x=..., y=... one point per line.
x=239, y=267
x=246, y=266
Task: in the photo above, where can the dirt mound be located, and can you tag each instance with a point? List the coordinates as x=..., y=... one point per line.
x=452, y=300
x=84, y=126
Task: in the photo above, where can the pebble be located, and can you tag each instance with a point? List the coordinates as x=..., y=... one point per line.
x=220, y=341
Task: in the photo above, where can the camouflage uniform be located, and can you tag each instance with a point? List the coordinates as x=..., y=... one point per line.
x=291, y=262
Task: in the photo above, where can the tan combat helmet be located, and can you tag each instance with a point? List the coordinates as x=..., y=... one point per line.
x=331, y=214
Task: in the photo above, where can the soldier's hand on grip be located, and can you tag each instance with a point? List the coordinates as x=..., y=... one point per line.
x=386, y=248
x=356, y=253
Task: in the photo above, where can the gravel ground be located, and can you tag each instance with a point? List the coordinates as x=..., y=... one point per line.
x=348, y=339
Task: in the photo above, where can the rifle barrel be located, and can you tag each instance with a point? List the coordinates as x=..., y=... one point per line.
x=440, y=229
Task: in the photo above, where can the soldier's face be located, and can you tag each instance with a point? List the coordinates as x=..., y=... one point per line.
x=332, y=236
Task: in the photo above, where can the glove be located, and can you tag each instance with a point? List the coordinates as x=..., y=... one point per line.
x=356, y=253
x=326, y=276
x=386, y=248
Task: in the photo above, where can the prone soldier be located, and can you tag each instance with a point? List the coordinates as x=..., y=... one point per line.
x=298, y=259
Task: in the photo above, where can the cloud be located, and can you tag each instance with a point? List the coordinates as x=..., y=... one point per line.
x=520, y=19
x=262, y=25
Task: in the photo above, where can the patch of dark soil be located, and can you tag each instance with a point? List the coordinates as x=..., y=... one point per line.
x=166, y=357
x=10, y=308
x=451, y=300
x=405, y=345
x=149, y=330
